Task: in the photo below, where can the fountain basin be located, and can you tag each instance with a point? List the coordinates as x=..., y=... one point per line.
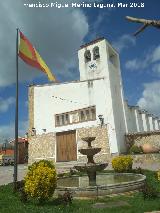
x=89, y=151
x=89, y=139
x=91, y=167
x=106, y=184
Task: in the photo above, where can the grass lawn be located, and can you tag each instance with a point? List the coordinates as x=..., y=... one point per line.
x=10, y=202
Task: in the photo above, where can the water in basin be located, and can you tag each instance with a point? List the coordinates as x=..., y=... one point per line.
x=101, y=179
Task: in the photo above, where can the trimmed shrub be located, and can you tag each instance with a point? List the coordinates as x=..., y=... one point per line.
x=135, y=149
x=122, y=163
x=40, y=181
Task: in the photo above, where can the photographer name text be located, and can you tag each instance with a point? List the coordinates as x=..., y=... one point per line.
x=85, y=5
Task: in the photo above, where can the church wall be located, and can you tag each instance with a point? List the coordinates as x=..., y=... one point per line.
x=156, y=124
x=41, y=147
x=144, y=121
x=101, y=141
x=47, y=106
x=131, y=119
x=44, y=146
x=153, y=121
x=147, y=121
x=139, y=121
x=117, y=105
x=151, y=127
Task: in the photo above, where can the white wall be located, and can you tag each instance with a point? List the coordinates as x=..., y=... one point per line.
x=150, y=122
x=131, y=118
x=139, y=121
x=156, y=124
x=56, y=99
x=145, y=123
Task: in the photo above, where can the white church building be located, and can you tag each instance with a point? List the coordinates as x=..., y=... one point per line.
x=60, y=114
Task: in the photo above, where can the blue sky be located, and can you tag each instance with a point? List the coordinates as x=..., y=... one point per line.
x=58, y=33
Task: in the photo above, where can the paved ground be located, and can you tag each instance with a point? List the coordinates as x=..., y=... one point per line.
x=6, y=172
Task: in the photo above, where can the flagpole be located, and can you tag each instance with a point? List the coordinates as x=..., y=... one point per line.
x=16, y=118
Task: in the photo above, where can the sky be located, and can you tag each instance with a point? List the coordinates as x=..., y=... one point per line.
x=57, y=33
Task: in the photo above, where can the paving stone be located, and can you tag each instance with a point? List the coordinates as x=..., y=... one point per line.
x=110, y=204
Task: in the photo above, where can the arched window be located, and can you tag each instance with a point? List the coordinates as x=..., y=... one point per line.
x=87, y=56
x=96, y=54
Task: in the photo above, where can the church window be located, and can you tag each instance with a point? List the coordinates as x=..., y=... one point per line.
x=77, y=116
x=82, y=116
x=57, y=121
x=67, y=119
x=87, y=114
x=62, y=119
x=87, y=56
x=96, y=54
x=93, y=113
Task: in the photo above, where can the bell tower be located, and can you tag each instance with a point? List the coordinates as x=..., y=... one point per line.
x=99, y=60
x=94, y=59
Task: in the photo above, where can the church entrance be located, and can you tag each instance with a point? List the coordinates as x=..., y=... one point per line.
x=66, y=146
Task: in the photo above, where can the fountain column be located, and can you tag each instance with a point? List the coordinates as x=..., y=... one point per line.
x=90, y=167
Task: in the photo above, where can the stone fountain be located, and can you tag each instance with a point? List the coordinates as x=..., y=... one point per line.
x=99, y=184
x=90, y=167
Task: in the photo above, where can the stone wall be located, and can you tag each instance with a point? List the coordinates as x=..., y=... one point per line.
x=42, y=147
x=141, y=138
x=147, y=158
x=101, y=141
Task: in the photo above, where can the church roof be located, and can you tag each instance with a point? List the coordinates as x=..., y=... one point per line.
x=66, y=82
x=92, y=42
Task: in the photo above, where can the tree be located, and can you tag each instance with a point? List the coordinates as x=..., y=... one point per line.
x=146, y=23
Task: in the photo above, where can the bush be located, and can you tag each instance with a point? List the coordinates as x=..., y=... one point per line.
x=40, y=181
x=122, y=163
x=158, y=174
x=66, y=198
x=149, y=191
x=135, y=149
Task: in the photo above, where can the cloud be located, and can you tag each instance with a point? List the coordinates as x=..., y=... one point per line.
x=150, y=58
x=137, y=64
x=6, y=103
x=55, y=33
x=8, y=131
x=150, y=99
x=156, y=54
x=156, y=68
x=124, y=42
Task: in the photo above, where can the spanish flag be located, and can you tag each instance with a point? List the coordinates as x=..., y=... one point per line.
x=30, y=56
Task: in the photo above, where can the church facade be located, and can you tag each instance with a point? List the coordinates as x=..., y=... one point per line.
x=63, y=113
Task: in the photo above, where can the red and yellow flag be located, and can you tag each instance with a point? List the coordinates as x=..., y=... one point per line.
x=30, y=56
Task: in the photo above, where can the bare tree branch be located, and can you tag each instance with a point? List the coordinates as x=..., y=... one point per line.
x=140, y=29
x=145, y=22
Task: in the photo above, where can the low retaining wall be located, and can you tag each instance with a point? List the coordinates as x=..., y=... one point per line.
x=147, y=158
x=140, y=138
